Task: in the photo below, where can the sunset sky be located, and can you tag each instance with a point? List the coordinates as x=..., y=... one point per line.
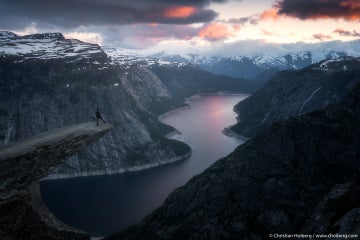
x=164, y=24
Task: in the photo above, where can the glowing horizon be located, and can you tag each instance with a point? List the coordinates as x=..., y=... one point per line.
x=140, y=25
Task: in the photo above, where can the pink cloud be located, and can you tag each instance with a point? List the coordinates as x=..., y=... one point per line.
x=179, y=12
x=215, y=31
x=321, y=36
x=347, y=33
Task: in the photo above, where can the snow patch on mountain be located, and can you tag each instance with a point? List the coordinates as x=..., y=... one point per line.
x=332, y=65
x=237, y=66
x=45, y=46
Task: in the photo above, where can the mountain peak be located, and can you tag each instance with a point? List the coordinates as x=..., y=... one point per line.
x=339, y=64
x=8, y=35
x=56, y=35
x=47, y=46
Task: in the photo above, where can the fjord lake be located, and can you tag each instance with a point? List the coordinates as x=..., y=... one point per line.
x=101, y=205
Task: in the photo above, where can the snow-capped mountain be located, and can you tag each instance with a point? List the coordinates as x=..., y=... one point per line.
x=47, y=46
x=241, y=66
x=127, y=58
x=48, y=81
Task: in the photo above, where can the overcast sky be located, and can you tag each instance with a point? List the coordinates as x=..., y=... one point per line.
x=190, y=24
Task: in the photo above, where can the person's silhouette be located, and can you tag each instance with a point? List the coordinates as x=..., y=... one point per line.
x=98, y=116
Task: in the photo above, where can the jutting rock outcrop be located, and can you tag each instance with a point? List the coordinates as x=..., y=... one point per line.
x=22, y=212
x=48, y=81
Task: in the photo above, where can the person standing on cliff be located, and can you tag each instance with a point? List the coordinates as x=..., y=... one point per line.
x=98, y=116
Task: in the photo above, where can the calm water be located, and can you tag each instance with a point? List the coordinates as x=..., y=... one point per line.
x=102, y=205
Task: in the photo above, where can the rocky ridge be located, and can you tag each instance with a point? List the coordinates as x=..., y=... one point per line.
x=47, y=46
x=292, y=93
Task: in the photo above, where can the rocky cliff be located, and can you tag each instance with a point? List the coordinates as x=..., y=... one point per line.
x=292, y=93
x=22, y=212
x=301, y=175
x=48, y=81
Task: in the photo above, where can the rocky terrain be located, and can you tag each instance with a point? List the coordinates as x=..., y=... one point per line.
x=292, y=93
x=48, y=81
x=47, y=46
x=22, y=212
x=300, y=175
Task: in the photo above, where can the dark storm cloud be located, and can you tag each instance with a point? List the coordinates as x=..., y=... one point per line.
x=252, y=19
x=74, y=13
x=320, y=9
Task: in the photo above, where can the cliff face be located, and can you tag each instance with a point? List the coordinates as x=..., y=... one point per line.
x=42, y=89
x=292, y=93
x=301, y=175
x=22, y=213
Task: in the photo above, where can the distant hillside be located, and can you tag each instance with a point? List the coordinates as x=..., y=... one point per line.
x=292, y=93
x=185, y=81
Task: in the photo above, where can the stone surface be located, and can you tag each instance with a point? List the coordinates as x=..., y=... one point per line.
x=335, y=211
x=22, y=213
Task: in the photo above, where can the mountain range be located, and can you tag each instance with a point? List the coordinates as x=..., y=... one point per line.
x=48, y=81
x=248, y=65
x=298, y=173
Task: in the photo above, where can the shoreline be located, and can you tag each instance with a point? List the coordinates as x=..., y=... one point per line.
x=119, y=171
x=230, y=133
x=173, y=133
x=187, y=101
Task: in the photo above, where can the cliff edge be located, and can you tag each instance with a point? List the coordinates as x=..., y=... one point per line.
x=22, y=213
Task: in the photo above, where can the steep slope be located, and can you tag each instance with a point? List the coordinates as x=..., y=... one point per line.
x=22, y=212
x=292, y=93
x=299, y=176
x=59, y=82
